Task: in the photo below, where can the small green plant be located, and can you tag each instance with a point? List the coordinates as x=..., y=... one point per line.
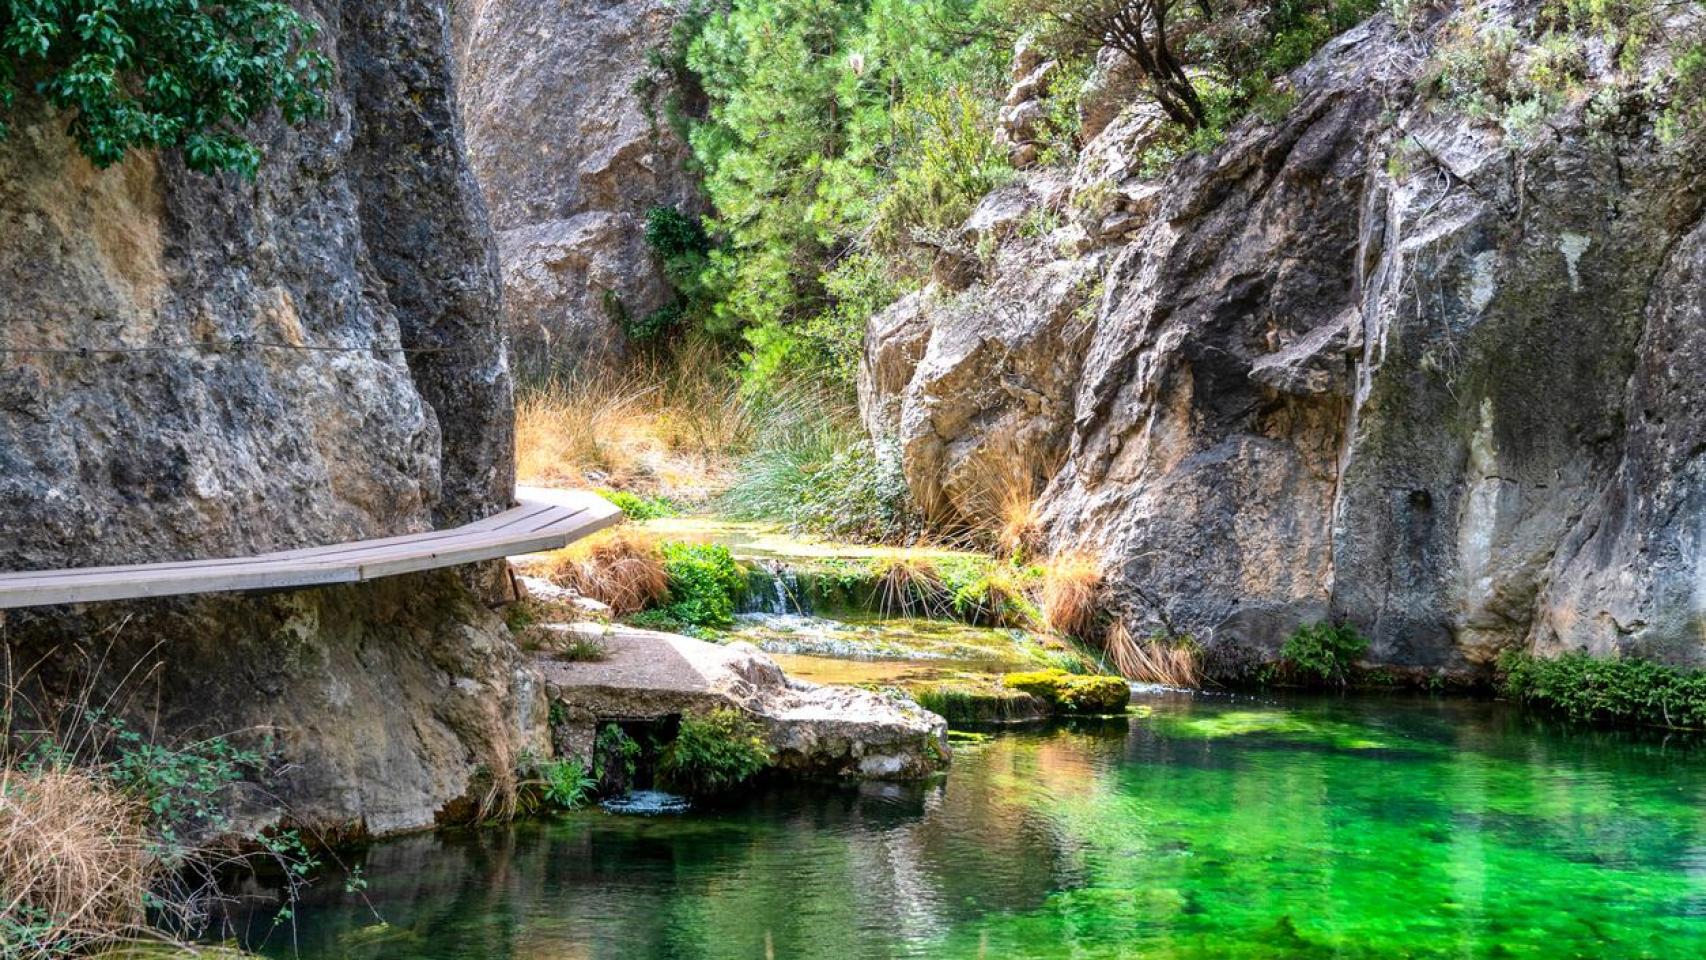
x=1323, y=652
x=567, y=784
x=1073, y=693
x=165, y=74
x=714, y=752
x=615, y=756
x=637, y=507
x=705, y=583
x=577, y=647
x=1610, y=691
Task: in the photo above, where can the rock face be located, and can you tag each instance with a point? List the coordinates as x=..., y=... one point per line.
x=1373, y=360
x=835, y=732
x=310, y=358
x=570, y=156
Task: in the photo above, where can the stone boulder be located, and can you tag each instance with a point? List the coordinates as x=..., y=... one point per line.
x=816, y=731
x=570, y=155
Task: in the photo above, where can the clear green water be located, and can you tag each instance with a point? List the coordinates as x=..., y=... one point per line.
x=1210, y=828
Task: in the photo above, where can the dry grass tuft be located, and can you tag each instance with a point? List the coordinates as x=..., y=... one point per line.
x=1071, y=594
x=909, y=586
x=1004, y=509
x=668, y=425
x=620, y=568
x=1156, y=659
x=75, y=857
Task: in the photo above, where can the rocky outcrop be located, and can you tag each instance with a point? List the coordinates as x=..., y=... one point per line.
x=309, y=358
x=376, y=705
x=571, y=154
x=1371, y=360
x=814, y=731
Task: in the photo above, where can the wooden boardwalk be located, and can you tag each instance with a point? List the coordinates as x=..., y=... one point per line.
x=543, y=520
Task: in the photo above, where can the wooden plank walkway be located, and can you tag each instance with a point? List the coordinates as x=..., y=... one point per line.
x=542, y=520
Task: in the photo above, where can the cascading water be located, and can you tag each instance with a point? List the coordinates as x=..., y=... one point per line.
x=775, y=589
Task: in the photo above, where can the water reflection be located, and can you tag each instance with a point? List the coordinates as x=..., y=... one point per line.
x=1211, y=828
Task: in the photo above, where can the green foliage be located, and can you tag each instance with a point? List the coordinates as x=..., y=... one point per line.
x=1072, y=692
x=1323, y=652
x=615, y=757
x=164, y=73
x=833, y=136
x=674, y=235
x=831, y=483
x=714, y=752
x=567, y=783
x=637, y=507
x=577, y=647
x=1612, y=691
x=705, y=583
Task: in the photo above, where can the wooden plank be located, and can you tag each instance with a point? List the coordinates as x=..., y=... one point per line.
x=544, y=520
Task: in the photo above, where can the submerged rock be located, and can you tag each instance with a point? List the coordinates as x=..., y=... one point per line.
x=814, y=730
x=1371, y=360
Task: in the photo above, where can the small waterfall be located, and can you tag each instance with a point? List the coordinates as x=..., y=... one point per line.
x=773, y=587
x=647, y=803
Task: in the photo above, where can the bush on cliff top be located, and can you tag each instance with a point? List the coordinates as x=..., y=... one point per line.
x=166, y=74
x=1596, y=690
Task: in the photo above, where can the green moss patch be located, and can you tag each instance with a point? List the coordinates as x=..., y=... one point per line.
x=1073, y=692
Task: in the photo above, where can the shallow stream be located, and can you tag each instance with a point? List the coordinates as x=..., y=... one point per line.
x=1202, y=827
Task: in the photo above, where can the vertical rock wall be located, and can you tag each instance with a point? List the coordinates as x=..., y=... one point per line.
x=1373, y=360
x=312, y=357
x=570, y=155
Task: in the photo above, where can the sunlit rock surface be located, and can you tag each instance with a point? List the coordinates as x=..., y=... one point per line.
x=362, y=242
x=1373, y=359
x=570, y=155
x=829, y=731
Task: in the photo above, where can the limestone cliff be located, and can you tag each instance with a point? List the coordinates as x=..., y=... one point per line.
x=1374, y=359
x=571, y=154
x=308, y=358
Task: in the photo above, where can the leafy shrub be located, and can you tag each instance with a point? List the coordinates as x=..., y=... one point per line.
x=705, y=583
x=672, y=234
x=1073, y=693
x=567, y=784
x=1591, y=689
x=637, y=507
x=714, y=752
x=165, y=74
x=1323, y=652
x=104, y=831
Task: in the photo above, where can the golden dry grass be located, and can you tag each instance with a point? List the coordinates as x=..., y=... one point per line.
x=75, y=857
x=1159, y=660
x=1071, y=594
x=908, y=586
x=1004, y=508
x=620, y=567
x=669, y=426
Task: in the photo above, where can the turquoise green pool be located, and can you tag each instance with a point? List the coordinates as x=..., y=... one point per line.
x=1212, y=828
